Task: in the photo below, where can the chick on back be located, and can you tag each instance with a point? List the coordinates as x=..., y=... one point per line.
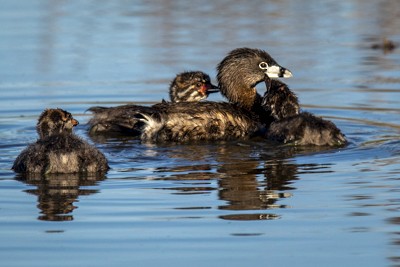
x=58, y=150
x=243, y=117
x=190, y=86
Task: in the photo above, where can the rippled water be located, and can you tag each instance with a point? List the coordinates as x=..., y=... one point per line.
x=221, y=204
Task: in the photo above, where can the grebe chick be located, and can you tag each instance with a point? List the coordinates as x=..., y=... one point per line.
x=58, y=149
x=293, y=126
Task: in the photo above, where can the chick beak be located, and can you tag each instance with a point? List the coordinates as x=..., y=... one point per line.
x=208, y=88
x=211, y=88
x=74, y=122
x=276, y=71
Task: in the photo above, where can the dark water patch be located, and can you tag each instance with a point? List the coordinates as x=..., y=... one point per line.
x=193, y=208
x=359, y=214
x=249, y=217
x=247, y=234
x=55, y=231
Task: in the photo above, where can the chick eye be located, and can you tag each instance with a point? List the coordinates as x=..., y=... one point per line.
x=263, y=65
x=67, y=117
x=199, y=84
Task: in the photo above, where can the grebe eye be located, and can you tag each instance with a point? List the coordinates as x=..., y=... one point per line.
x=199, y=84
x=263, y=65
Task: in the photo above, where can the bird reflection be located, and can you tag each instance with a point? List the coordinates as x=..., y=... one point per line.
x=250, y=184
x=58, y=192
x=252, y=177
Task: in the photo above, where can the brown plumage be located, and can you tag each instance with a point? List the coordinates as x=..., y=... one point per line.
x=58, y=150
x=238, y=74
x=201, y=121
x=280, y=100
x=293, y=126
x=190, y=86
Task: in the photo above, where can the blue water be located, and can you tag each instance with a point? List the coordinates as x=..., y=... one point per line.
x=219, y=204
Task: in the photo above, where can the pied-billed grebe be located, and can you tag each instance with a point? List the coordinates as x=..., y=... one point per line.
x=190, y=86
x=58, y=150
x=293, y=126
x=238, y=74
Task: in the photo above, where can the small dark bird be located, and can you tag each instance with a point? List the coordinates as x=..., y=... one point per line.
x=58, y=150
x=386, y=45
x=190, y=86
x=293, y=126
x=238, y=74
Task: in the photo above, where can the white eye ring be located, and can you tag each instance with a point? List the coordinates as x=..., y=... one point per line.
x=263, y=65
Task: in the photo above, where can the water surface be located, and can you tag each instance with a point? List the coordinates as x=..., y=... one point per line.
x=216, y=204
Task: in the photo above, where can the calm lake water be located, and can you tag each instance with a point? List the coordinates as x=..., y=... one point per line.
x=222, y=204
